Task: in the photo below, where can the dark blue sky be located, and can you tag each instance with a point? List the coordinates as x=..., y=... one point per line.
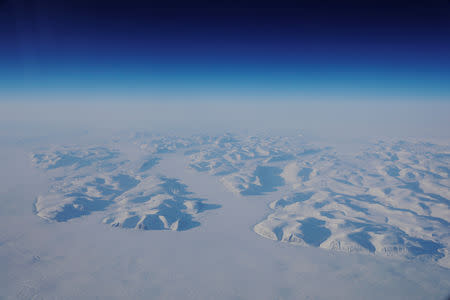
x=175, y=49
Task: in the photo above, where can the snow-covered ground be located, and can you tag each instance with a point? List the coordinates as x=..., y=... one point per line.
x=389, y=199
x=381, y=215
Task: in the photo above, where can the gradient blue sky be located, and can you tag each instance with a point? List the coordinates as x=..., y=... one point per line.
x=291, y=50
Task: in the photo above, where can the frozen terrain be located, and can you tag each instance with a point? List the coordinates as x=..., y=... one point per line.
x=390, y=199
x=141, y=216
x=98, y=179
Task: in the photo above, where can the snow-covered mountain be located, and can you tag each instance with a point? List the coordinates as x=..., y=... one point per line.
x=390, y=199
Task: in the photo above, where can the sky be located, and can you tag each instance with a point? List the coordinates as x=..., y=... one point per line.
x=224, y=50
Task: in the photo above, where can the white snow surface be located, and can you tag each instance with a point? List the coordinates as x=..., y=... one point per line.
x=367, y=224
x=389, y=199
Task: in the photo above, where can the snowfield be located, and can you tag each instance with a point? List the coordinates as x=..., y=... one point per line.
x=389, y=199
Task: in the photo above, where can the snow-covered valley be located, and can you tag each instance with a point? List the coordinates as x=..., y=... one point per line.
x=388, y=199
